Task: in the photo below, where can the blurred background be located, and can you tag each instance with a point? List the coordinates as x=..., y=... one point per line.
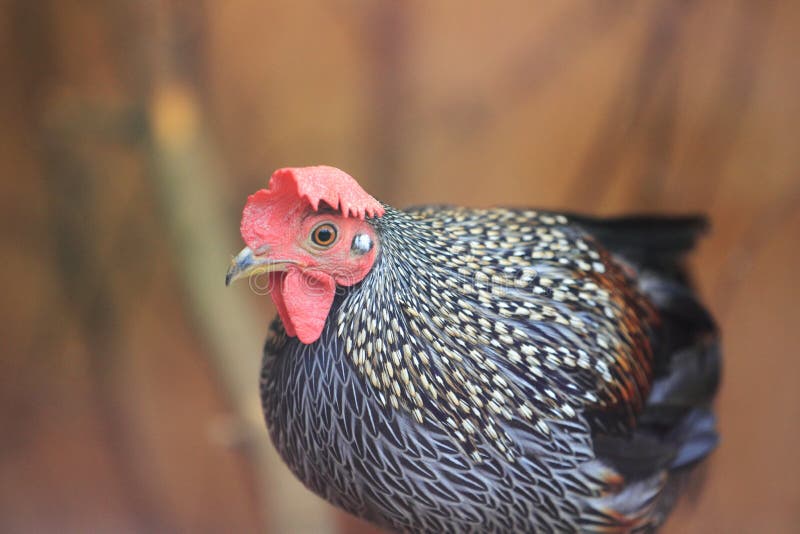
x=132, y=131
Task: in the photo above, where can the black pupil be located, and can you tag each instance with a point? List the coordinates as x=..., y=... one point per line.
x=324, y=235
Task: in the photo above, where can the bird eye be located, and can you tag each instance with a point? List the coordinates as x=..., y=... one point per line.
x=324, y=235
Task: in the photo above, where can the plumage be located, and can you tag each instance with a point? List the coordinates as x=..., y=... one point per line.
x=498, y=370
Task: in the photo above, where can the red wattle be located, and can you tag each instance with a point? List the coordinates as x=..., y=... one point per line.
x=304, y=301
x=276, y=292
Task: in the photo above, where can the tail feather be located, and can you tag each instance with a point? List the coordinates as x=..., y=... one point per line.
x=676, y=429
x=690, y=380
x=697, y=435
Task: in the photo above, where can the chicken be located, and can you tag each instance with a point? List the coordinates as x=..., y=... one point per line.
x=446, y=369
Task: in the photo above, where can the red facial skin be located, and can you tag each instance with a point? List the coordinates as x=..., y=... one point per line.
x=304, y=291
x=277, y=225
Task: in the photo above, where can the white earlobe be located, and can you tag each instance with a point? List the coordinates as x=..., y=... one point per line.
x=362, y=243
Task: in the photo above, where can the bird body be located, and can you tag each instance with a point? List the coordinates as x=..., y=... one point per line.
x=461, y=370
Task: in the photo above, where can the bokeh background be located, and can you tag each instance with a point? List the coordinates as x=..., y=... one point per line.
x=132, y=131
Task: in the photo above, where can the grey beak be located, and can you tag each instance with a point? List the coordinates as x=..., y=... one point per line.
x=247, y=263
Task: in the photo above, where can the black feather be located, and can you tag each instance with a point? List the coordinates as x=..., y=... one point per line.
x=649, y=242
x=676, y=427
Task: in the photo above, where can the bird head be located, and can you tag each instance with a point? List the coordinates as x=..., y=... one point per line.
x=309, y=232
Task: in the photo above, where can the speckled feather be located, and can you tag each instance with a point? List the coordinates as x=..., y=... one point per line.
x=460, y=386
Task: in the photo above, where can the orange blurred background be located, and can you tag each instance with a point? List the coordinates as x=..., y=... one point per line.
x=131, y=133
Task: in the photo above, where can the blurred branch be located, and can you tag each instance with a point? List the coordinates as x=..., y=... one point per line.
x=189, y=179
x=627, y=118
x=737, y=81
x=186, y=178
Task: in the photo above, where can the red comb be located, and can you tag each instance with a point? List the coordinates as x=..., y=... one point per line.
x=316, y=184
